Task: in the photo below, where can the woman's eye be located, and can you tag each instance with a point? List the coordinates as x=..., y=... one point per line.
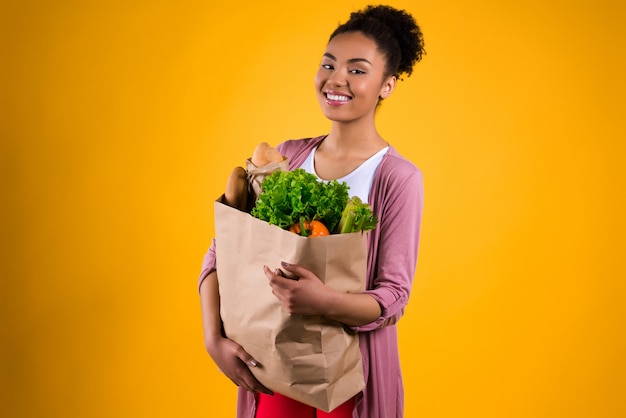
x=327, y=66
x=357, y=71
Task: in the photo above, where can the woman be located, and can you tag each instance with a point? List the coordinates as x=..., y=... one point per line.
x=360, y=67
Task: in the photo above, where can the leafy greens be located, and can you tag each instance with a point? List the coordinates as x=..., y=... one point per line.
x=288, y=197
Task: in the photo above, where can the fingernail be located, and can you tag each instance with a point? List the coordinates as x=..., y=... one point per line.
x=284, y=263
x=253, y=363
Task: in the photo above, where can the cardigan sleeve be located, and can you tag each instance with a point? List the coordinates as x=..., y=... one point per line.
x=397, y=199
x=208, y=264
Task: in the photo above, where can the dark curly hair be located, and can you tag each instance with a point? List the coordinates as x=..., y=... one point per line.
x=395, y=32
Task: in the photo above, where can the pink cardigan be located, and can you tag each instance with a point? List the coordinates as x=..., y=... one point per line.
x=397, y=199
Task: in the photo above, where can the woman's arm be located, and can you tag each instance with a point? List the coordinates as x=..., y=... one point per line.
x=309, y=296
x=210, y=306
x=229, y=356
x=397, y=199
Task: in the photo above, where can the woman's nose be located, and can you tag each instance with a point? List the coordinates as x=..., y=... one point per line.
x=337, y=79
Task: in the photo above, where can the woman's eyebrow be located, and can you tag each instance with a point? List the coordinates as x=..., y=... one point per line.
x=351, y=60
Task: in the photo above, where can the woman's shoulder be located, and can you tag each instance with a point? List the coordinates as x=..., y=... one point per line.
x=396, y=166
x=397, y=178
x=298, y=149
x=297, y=145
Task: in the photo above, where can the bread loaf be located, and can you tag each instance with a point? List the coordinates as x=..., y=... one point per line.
x=236, y=194
x=265, y=154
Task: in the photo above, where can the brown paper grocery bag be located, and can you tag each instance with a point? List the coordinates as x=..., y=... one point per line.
x=308, y=358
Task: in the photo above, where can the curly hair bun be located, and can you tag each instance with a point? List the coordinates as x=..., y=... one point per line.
x=395, y=32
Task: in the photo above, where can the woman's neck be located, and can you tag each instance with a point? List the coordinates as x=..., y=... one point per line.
x=354, y=139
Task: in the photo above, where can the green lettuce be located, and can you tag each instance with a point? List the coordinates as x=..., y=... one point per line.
x=288, y=196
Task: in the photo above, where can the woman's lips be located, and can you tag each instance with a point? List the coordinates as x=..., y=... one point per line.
x=336, y=99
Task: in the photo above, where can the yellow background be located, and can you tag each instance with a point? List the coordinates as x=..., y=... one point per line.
x=121, y=120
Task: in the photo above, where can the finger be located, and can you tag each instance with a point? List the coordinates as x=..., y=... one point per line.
x=263, y=389
x=247, y=380
x=277, y=279
x=242, y=384
x=272, y=275
x=254, y=385
x=245, y=357
x=243, y=378
x=294, y=269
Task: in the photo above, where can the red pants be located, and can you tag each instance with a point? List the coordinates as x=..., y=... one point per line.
x=279, y=406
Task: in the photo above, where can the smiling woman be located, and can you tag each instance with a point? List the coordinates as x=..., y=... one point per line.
x=359, y=68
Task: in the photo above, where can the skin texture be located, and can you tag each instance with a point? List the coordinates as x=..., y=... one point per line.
x=351, y=67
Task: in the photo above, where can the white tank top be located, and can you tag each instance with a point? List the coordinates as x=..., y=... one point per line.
x=359, y=180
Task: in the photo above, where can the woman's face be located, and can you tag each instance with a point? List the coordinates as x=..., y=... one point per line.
x=351, y=78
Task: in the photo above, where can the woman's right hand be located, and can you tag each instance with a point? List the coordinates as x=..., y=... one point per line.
x=234, y=362
x=229, y=356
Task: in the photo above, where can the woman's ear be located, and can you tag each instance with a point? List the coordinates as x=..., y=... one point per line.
x=388, y=85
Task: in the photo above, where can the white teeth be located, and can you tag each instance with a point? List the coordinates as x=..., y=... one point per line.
x=337, y=98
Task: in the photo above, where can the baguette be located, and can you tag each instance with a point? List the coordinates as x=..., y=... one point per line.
x=236, y=194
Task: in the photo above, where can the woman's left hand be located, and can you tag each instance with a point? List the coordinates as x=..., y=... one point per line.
x=305, y=294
